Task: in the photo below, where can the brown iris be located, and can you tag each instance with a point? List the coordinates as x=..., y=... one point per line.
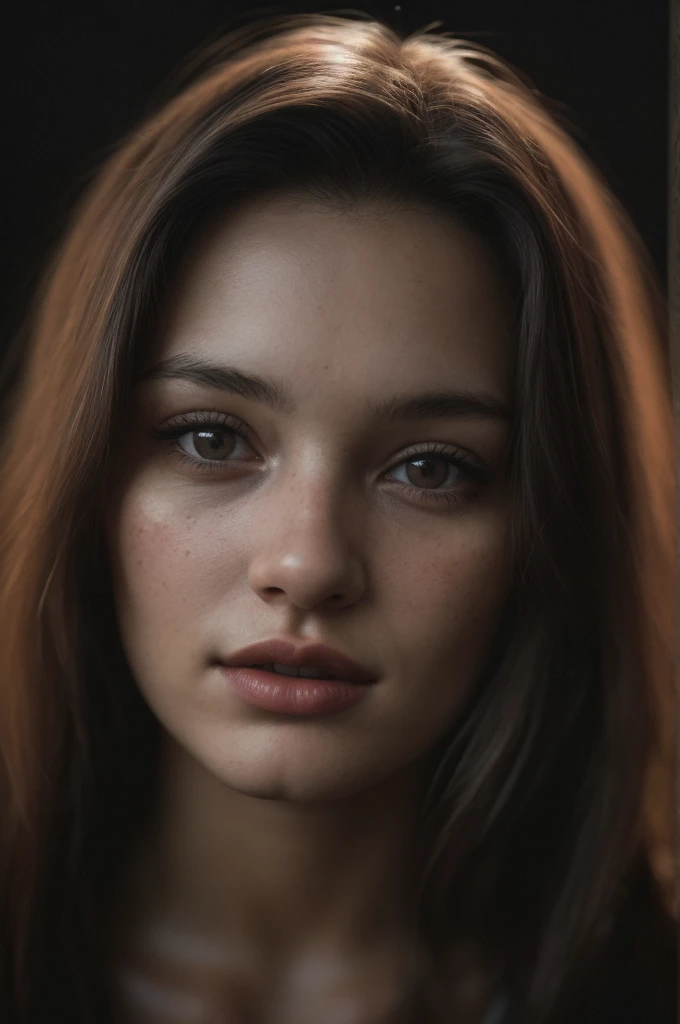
x=426, y=475
x=214, y=441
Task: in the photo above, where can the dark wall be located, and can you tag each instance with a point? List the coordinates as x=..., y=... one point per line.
x=76, y=75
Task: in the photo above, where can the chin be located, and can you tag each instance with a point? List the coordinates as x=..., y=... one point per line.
x=293, y=775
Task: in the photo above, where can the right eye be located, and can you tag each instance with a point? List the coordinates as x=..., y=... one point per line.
x=213, y=440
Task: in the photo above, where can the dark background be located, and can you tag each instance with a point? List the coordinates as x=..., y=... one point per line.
x=75, y=76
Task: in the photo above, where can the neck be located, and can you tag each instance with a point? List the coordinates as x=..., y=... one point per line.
x=279, y=877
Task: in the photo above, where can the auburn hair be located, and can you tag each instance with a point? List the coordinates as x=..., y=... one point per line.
x=549, y=818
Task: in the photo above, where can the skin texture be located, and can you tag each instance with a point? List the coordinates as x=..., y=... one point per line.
x=275, y=882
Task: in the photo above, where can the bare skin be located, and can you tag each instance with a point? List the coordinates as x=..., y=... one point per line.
x=276, y=881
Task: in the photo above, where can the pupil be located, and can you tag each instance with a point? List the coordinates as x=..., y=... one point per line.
x=214, y=439
x=430, y=474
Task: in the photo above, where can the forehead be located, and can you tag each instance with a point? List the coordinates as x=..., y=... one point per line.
x=303, y=290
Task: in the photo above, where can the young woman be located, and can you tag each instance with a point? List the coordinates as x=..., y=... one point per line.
x=350, y=367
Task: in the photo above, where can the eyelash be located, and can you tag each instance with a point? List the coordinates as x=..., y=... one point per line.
x=478, y=476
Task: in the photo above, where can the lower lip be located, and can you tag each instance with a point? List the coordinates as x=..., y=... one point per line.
x=292, y=695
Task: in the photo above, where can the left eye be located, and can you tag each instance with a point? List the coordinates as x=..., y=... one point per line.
x=431, y=471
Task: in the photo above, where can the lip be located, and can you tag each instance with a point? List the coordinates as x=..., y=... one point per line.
x=291, y=695
x=287, y=652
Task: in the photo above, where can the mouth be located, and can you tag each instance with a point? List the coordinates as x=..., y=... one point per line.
x=263, y=686
x=283, y=657
x=280, y=669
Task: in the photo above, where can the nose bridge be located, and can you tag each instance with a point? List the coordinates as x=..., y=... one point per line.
x=308, y=543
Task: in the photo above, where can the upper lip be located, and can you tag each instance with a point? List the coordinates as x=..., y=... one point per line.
x=287, y=652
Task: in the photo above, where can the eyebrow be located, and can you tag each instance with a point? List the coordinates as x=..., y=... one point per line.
x=437, y=404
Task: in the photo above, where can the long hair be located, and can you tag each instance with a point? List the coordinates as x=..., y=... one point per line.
x=550, y=809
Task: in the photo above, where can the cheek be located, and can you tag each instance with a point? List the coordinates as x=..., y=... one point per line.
x=163, y=568
x=459, y=579
x=447, y=600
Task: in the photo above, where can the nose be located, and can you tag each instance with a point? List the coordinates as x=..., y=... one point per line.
x=307, y=549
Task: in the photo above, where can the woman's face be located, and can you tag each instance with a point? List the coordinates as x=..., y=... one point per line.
x=325, y=524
